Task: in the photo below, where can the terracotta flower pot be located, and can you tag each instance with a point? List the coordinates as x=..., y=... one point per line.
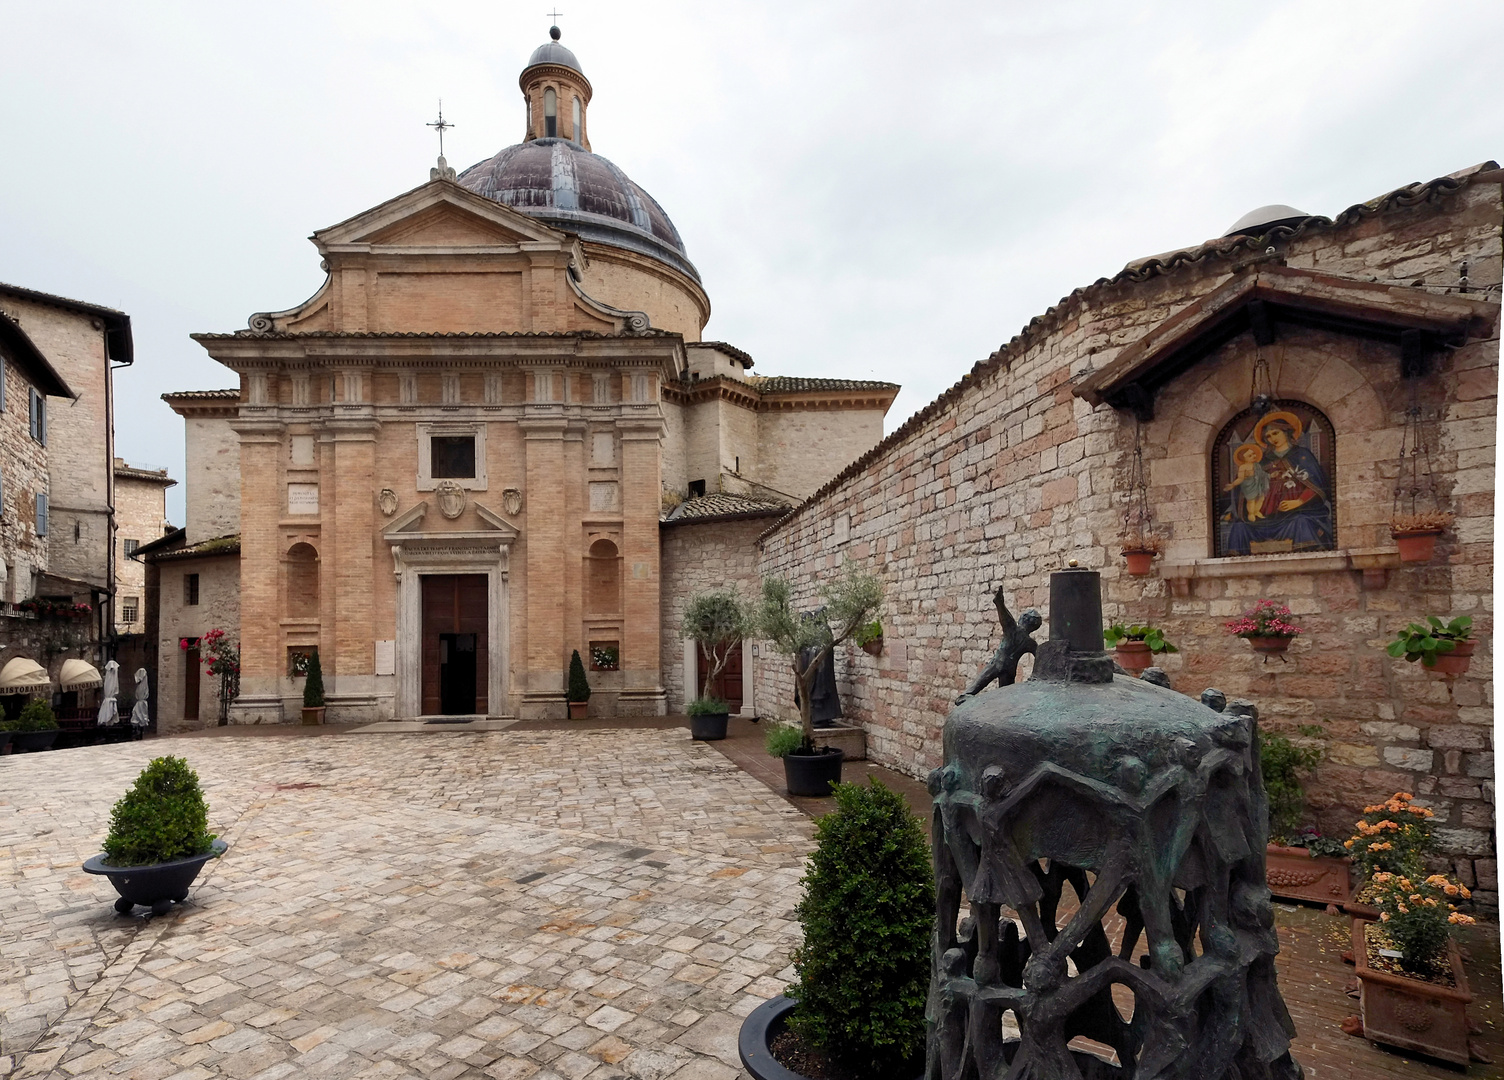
x=873, y=647
x=1140, y=561
x=1418, y=545
x=1413, y=1014
x=313, y=716
x=1455, y=662
x=1270, y=646
x=1134, y=655
x=1295, y=874
x=578, y=710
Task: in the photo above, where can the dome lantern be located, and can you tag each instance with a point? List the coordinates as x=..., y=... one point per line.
x=557, y=93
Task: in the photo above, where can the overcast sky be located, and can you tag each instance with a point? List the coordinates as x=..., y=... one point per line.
x=869, y=190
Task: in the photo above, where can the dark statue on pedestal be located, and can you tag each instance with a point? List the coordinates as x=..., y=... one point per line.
x=1107, y=835
x=1017, y=640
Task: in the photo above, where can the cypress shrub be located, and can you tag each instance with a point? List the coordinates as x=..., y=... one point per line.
x=868, y=915
x=162, y=817
x=313, y=686
x=579, y=686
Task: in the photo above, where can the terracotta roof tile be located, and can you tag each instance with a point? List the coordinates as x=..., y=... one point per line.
x=721, y=505
x=793, y=384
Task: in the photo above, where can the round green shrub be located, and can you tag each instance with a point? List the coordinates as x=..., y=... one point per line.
x=36, y=715
x=868, y=914
x=707, y=706
x=162, y=817
x=782, y=740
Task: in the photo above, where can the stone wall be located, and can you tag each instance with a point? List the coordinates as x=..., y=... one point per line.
x=211, y=478
x=799, y=449
x=218, y=607
x=23, y=474
x=140, y=515
x=699, y=557
x=80, y=437
x=1008, y=474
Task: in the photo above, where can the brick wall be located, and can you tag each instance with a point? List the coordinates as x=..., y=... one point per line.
x=211, y=478
x=1008, y=474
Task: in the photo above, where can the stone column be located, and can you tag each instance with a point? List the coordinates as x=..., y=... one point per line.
x=261, y=454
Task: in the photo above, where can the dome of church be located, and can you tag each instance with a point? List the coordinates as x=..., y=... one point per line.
x=551, y=52
x=560, y=182
x=1257, y=222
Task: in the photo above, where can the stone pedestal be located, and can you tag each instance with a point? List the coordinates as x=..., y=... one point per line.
x=851, y=740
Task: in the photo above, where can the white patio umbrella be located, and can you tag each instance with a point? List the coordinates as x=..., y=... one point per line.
x=140, y=714
x=109, y=708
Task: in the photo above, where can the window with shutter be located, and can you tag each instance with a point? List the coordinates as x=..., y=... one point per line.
x=2, y=383
x=41, y=514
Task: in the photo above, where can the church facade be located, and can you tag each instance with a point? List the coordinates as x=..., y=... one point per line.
x=454, y=458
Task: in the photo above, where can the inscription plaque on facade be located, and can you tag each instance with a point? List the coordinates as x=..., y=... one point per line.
x=302, y=498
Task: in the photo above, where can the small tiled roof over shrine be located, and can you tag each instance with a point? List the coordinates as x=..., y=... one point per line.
x=723, y=506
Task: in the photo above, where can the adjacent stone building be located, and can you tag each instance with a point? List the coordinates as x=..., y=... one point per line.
x=1259, y=408
x=453, y=459
x=192, y=574
x=140, y=517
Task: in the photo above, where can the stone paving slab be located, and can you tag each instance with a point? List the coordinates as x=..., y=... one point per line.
x=545, y=904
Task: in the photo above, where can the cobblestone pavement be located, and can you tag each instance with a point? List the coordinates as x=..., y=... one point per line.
x=510, y=905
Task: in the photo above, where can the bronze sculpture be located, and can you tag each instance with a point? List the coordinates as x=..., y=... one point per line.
x=1149, y=808
x=1017, y=640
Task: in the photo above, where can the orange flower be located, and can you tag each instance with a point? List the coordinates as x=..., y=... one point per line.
x=1403, y=796
x=1384, y=915
x=1466, y=895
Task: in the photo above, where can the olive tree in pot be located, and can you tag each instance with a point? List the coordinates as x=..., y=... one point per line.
x=862, y=971
x=851, y=602
x=716, y=622
x=159, y=838
x=313, y=691
x=579, y=688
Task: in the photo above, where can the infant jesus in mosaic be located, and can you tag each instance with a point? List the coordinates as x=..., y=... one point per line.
x=1253, y=480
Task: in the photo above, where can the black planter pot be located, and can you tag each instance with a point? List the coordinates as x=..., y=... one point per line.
x=709, y=727
x=766, y=1023
x=4, y=741
x=156, y=886
x=32, y=740
x=812, y=774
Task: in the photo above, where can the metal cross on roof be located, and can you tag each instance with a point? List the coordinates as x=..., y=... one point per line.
x=554, y=15
x=440, y=125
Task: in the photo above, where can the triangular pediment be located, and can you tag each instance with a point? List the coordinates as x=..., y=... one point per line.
x=408, y=526
x=438, y=214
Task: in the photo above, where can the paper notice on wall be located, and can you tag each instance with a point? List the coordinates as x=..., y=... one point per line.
x=386, y=658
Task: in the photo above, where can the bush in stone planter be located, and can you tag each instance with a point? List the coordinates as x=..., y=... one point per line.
x=162, y=817
x=868, y=915
x=36, y=715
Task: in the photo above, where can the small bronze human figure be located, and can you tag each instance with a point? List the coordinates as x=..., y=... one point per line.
x=1016, y=641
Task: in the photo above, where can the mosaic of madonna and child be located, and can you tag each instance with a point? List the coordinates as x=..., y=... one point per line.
x=1273, y=470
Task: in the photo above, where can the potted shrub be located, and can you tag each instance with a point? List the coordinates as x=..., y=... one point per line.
x=1299, y=863
x=707, y=718
x=1392, y=837
x=851, y=602
x=1445, y=648
x=1416, y=533
x=579, y=688
x=862, y=971
x=159, y=838
x=870, y=638
x=35, y=728
x=1136, y=645
x=1267, y=626
x=1413, y=990
x=313, y=691
x=716, y=622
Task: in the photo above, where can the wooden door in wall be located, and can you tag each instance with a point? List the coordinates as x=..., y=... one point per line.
x=728, y=684
x=455, y=645
x=191, y=681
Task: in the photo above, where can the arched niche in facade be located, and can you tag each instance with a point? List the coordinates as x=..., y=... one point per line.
x=603, y=579
x=1274, y=481
x=302, y=578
